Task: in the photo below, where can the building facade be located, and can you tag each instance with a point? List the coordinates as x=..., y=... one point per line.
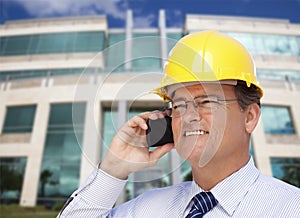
x=68, y=84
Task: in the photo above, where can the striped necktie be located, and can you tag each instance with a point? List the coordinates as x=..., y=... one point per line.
x=202, y=203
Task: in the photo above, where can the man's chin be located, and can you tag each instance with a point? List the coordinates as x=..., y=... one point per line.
x=190, y=150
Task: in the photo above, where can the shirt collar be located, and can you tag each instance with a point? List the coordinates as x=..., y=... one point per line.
x=232, y=190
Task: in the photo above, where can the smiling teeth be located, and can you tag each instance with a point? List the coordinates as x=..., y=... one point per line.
x=197, y=132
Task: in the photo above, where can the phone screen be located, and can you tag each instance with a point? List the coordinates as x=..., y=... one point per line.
x=159, y=132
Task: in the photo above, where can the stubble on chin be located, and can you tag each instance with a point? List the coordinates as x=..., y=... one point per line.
x=199, y=149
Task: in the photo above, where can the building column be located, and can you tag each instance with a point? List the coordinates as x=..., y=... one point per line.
x=91, y=151
x=2, y=114
x=35, y=157
x=128, y=42
x=163, y=37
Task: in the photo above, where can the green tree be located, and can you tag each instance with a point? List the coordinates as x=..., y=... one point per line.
x=10, y=179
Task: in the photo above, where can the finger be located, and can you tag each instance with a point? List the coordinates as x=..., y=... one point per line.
x=137, y=121
x=167, y=112
x=145, y=115
x=156, y=115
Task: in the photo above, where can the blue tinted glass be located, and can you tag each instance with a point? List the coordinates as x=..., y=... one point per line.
x=62, y=153
x=110, y=125
x=115, y=51
x=61, y=114
x=277, y=120
x=270, y=44
x=19, y=119
x=12, y=172
x=276, y=44
x=3, y=41
x=245, y=39
x=146, y=52
x=186, y=171
x=33, y=44
x=52, y=43
x=172, y=38
x=287, y=169
x=294, y=45
x=89, y=42
x=67, y=42
x=16, y=75
x=16, y=45
x=279, y=75
x=70, y=42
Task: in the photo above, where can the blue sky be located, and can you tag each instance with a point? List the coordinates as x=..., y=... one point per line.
x=145, y=11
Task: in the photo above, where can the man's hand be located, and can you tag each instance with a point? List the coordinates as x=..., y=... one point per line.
x=128, y=150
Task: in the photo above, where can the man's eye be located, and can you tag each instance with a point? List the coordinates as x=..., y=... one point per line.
x=179, y=106
x=207, y=102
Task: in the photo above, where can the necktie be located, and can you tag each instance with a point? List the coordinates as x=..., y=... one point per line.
x=203, y=202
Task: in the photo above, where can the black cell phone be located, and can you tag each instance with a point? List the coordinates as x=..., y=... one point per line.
x=159, y=132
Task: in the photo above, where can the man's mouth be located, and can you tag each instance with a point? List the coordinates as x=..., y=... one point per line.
x=195, y=132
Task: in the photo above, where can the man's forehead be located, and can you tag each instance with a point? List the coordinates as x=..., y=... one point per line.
x=204, y=88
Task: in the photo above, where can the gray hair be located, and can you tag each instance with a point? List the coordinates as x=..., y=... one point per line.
x=247, y=95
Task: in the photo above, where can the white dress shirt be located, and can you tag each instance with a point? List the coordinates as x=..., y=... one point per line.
x=246, y=193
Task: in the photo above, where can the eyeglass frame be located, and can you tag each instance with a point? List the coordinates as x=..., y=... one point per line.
x=170, y=107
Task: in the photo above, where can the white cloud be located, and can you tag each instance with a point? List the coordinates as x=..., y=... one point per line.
x=144, y=21
x=45, y=8
x=175, y=18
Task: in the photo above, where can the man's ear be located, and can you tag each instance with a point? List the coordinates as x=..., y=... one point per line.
x=252, y=117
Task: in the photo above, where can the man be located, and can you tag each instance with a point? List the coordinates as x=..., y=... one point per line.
x=210, y=81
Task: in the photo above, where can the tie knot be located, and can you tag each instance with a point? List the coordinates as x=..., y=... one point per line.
x=202, y=203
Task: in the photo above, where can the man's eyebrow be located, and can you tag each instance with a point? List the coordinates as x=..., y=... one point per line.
x=179, y=99
x=198, y=96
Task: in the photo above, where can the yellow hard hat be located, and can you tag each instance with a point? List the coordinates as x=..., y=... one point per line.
x=207, y=56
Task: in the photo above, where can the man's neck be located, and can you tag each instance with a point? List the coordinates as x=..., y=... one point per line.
x=213, y=173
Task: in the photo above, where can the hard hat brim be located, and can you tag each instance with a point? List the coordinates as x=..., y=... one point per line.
x=166, y=91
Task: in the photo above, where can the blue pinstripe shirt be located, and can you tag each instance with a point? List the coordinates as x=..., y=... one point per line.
x=246, y=193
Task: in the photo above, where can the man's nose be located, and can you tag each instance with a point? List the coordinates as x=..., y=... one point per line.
x=192, y=113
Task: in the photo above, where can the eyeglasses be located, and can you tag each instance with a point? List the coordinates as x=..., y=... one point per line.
x=204, y=104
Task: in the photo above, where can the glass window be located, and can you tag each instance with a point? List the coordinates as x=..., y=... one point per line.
x=19, y=119
x=89, y=42
x=62, y=154
x=277, y=120
x=245, y=39
x=276, y=44
x=3, y=41
x=279, y=75
x=287, y=169
x=294, y=45
x=270, y=44
x=259, y=46
x=15, y=45
x=53, y=43
x=70, y=42
x=172, y=39
x=116, y=51
x=11, y=179
x=186, y=171
x=146, y=52
x=33, y=44
x=23, y=74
